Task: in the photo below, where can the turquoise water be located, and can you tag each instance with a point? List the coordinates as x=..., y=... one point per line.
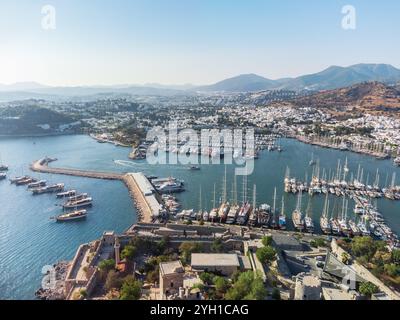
x=29, y=239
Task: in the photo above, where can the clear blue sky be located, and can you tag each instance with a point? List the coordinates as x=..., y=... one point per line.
x=189, y=41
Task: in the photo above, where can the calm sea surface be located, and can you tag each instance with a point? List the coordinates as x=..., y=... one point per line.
x=29, y=239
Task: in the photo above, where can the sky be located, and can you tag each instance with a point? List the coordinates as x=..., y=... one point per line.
x=101, y=42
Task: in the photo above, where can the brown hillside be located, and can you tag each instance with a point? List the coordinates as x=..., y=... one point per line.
x=372, y=97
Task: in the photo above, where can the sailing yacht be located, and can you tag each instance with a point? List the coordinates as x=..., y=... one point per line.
x=297, y=216
x=214, y=211
x=234, y=209
x=309, y=224
x=324, y=221
x=343, y=225
x=274, y=223
x=254, y=213
x=282, y=216
x=224, y=208
x=362, y=225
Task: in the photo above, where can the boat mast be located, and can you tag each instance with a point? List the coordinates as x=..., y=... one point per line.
x=283, y=206
x=309, y=208
x=274, y=207
x=244, y=188
x=393, y=180
x=254, y=196
x=200, y=201
x=214, y=197
x=325, y=206
x=224, y=200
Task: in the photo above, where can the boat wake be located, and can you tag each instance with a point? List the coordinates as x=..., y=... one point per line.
x=125, y=163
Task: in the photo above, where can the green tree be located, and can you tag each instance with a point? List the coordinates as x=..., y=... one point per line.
x=258, y=290
x=153, y=276
x=187, y=248
x=113, y=280
x=206, y=277
x=128, y=252
x=345, y=258
x=131, y=289
x=368, y=289
x=318, y=242
x=249, y=286
x=221, y=284
x=107, y=265
x=266, y=254
x=163, y=245
x=267, y=241
x=217, y=245
x=396, y=256
x=364, y=247
x=392, y=269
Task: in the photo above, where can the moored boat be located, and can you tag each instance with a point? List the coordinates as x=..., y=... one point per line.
x=71, y=216
x=297, y=216
x=68, y=193
x=85, y=202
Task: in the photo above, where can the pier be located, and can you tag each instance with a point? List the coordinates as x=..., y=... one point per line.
x=146, y=210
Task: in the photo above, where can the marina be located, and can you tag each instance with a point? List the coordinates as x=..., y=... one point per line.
x=113, y=206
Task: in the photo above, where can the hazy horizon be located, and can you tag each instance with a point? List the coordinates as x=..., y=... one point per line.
x=149, y=84
x=195, y=42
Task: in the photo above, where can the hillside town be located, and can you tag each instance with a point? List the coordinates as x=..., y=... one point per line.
x=214, y=262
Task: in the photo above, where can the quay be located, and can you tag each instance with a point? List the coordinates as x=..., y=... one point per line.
x=144, y=198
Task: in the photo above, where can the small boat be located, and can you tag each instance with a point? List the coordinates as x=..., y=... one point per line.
x=264, y=215
x=243, y=214
x=85, y=202
x=49, y=189
x=298, y=220
x=78, y=197
x=75, y=215
x=3, y=167
x=68, y=193
x=335, y=226
x=194, y=168
x=309, y=224
x=25, y=181
x=15, y=180
x=2, y=176
x=232, y=214
x=37, y=184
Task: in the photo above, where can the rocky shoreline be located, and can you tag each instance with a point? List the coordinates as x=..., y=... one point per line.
x=56, y=291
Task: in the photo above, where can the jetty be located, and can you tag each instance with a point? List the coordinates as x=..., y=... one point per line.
x=146, y=204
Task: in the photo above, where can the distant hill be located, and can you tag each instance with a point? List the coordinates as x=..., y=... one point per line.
x=241, y=83
x=369, y=97
x=21, y=86
x=338, y=77
x=331, y=78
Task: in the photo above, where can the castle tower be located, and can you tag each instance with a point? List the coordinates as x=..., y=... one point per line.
x=116, y=250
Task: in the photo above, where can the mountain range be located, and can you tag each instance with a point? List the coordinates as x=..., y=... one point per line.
x=333, y=77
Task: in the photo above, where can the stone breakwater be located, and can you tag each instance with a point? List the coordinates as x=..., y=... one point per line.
x=144, y=210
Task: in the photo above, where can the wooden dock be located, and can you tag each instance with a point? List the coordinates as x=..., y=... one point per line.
x=145, y=214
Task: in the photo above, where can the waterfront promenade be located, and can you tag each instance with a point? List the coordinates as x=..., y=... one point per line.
x=145, y=211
